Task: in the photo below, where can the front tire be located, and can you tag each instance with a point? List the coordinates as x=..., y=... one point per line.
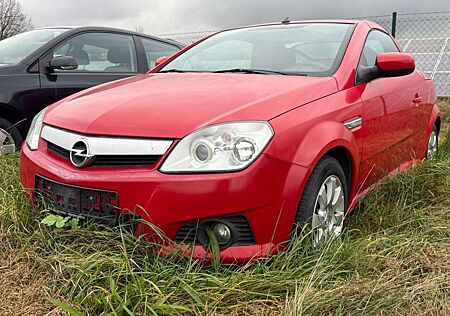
x=324, y=202
x=10, y=137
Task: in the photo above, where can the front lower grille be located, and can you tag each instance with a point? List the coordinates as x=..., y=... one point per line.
x=110, y=160
x=242, y=233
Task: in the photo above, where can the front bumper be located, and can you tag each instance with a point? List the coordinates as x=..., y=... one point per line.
x=267, y=193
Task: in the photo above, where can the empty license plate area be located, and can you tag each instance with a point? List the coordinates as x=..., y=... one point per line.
x=83, y=203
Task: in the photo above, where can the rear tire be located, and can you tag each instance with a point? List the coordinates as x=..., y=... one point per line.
x=433, y=143
x=10, y=137
x=324, y=202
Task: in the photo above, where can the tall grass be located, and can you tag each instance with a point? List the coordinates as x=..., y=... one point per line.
x=393, y=260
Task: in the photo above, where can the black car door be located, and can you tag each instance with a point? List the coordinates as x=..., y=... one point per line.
x=101, y=57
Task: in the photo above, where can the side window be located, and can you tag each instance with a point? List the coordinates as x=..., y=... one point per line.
x=154, y=50
x=100, y=52
x=377, y=42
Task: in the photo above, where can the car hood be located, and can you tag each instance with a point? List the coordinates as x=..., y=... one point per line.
x=173, y=105
x=9, y=69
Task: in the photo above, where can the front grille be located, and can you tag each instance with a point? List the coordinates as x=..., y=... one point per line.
x=64, y=153
x=112, y=160
x=242, y=233
x=78, y=202
x=125, y=160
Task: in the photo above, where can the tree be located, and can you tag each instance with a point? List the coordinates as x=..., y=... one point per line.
x=139, y=29
x=12, y=20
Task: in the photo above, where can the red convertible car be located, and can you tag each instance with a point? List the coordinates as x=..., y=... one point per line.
x=247, y=135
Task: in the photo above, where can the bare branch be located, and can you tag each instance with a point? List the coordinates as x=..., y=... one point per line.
x=12, y=20
x=139, y=29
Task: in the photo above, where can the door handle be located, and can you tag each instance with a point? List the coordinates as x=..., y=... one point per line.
x=417, y=99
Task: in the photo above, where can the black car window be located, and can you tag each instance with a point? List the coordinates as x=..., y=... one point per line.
x=100, y=52
x=377, y=42
x=16, y=48
x=155, y=49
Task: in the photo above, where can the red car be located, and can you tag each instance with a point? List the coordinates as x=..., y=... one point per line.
x=248, y=135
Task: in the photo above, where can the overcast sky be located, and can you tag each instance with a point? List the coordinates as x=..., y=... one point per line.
x=172, y=16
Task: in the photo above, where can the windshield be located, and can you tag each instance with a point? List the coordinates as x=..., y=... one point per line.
x=314, y=49
x=14, y=49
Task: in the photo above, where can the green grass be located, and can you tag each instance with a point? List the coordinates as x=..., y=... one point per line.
x=393, y=260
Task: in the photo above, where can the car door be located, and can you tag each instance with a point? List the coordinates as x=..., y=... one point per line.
x=101, y=57
x=154, y=49
x=388, y=117
x=423, y=102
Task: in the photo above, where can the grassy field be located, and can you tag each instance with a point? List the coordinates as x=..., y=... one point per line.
x=393, y=260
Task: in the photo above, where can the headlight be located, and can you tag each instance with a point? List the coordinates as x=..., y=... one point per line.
x=218, y=148
x=35, y=131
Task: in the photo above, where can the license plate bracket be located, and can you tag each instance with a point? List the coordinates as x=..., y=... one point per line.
x=78, y=202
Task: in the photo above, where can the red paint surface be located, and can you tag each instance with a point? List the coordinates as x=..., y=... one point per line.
x=395, y=61
x=306, y=113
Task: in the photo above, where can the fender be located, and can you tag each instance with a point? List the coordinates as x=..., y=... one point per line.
x=322, y=138
x=317, y=143
x=317, y=139
x=304, y=135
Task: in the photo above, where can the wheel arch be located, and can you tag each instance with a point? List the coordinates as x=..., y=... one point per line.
x=347, y=155
x=345, y=159
x=438, y=123
x=14, y=117
x=338, y=142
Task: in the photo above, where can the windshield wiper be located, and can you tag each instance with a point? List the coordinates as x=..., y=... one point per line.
x=172, y=70
x=240, y=70
x=255, y=71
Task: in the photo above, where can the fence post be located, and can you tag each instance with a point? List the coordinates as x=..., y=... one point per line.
x=394, y=23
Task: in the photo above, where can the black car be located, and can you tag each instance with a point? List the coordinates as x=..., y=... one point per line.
x=42, y=66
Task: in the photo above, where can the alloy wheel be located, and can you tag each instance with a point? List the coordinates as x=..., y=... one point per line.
x=432, y=146
x=7, y=144
x=329, y=212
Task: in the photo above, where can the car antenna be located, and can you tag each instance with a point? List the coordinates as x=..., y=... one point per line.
x=286, y=20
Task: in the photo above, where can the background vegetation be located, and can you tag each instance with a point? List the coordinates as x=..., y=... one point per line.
x=394, y=260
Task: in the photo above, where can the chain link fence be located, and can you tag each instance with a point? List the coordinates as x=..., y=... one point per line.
x=188, y=37
x=424, y=35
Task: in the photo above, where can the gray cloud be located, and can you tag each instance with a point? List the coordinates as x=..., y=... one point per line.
x=170, y=16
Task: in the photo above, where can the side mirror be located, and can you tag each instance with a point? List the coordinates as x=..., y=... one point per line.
x=395, y=64
x=63, y=63
x=387, y=65
x=161, y=60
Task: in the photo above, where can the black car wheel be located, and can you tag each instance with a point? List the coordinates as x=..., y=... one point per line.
x=433, y=143
x=10, y=137
x=324, y=202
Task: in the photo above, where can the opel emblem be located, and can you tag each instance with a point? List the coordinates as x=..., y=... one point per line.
x=80, y=154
